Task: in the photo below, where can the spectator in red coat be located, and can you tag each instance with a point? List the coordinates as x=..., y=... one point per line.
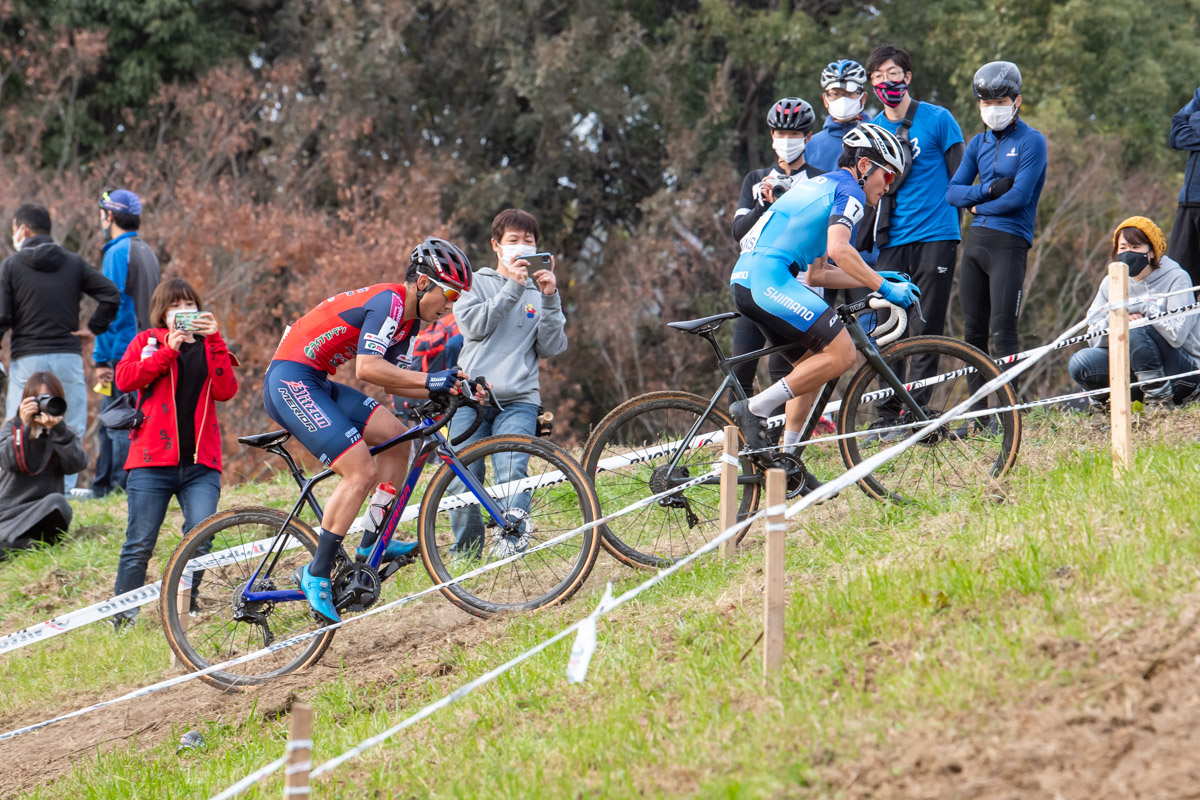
x=180, y=368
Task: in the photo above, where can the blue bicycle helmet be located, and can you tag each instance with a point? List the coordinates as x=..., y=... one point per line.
x=844, y=74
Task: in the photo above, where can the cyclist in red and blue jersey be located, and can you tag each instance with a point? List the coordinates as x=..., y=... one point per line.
x=374, y=326
x=813, y=224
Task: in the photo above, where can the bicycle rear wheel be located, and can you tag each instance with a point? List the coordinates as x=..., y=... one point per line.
x=212, y=628
x=627, y=456
x=963, y=456
x=543, y=493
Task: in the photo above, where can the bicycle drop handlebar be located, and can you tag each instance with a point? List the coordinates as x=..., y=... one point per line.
x=440, y=410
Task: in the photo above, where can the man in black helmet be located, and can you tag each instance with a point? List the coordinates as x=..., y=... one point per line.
x=1009, y=158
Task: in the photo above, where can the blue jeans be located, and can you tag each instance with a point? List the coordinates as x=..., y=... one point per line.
x=114, y=450
x=68, y=368
x=467, y=523
x=1148, y=351
x=149, y=491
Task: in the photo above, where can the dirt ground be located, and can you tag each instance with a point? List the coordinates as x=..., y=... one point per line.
x=1135, y=734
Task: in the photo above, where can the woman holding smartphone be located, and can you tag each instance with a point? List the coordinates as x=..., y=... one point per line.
x=180, y=368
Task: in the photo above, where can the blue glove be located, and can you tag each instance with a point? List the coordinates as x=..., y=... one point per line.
x=442, y=382
x=900, y=294
x=888, y=275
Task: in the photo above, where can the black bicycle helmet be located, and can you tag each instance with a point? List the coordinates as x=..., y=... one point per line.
x=445, y=263
x=791, y=114
x=996, y=80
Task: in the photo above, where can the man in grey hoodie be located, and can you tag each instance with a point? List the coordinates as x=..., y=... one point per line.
x=1167, y=346
x=509, y=320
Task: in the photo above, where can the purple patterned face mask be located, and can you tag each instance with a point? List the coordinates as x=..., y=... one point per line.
x=890, y=93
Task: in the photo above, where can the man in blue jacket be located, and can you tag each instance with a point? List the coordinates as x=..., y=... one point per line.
x=1010, y=160
x=844, y=92
x=130, y=263
x=1185, y=235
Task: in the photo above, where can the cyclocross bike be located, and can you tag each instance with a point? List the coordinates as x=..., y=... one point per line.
x=659, y=440
x=228, y=588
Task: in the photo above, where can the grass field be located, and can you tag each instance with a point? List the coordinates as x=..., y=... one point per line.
x=924, y=651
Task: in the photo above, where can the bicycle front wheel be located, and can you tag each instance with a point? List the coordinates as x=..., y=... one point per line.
x=541, y=494
x=967, y=455
x=629, y=456
x=205, y=619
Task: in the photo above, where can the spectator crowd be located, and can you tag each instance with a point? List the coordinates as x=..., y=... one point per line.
x=161, y=367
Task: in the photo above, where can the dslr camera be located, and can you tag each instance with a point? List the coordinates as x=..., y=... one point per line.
x=51, y=405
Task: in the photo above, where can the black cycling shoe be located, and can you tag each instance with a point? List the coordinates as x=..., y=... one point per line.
x=885, y=436
x=754, y=427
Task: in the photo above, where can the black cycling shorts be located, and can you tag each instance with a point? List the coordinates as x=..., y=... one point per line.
x=779, y=330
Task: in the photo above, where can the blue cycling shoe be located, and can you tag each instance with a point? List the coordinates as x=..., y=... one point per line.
x=318, y=592
x=394, y=550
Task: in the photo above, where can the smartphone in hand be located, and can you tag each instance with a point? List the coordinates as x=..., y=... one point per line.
x=186, y=320
x=539, y=261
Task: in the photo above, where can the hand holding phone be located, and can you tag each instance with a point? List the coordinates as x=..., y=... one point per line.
x=186, y=320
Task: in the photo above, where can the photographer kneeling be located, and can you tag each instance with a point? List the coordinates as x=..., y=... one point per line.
x=1169, y=346
x=37, y=449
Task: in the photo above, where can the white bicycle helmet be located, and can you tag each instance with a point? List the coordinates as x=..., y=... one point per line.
x=883, y=145
x=844, y=74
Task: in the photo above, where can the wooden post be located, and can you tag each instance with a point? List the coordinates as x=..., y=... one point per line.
x=728, y=510
x=183, y=602
x=1118, y=366
x=299, y=752
x=773, y=571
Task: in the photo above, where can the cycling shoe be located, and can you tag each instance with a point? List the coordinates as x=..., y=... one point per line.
x=318, y=592
x=395, y=550
x=753, y=427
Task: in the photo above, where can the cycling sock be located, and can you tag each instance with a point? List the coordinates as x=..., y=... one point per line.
x=765, y=401
x=789, y=441
x=369, y=537
x=327, y=546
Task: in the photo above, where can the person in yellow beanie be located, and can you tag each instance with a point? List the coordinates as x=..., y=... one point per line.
x=1167, y=347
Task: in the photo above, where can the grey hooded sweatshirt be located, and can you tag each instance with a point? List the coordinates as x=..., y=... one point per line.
x=506, y=328
x=1145, y=298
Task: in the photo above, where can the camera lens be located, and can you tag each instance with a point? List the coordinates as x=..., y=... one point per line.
x=52, y=406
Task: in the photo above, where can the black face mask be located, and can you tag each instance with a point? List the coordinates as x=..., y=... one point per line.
x=1137, y=262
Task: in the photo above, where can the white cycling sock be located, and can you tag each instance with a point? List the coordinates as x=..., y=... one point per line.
x=774, y=395
x=789, y=441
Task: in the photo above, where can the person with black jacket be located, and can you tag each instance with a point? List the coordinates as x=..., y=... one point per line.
x=36, y=450
x=41, y=286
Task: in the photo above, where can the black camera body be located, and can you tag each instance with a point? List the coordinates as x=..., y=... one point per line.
x=51, y=406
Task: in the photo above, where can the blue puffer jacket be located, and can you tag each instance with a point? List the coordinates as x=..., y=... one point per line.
x=1185, y=135
x=1017, y=152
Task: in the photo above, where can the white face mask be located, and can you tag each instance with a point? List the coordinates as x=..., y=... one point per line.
x=171, y=312
x=17, y=241
x=846, y=107
x=788, y=150
x=998, y=117
x=511, y=252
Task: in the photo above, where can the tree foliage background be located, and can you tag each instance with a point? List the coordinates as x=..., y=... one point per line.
x=288, y=148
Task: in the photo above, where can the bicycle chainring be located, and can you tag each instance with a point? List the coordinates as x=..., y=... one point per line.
x=796, y=472
x=355, y=587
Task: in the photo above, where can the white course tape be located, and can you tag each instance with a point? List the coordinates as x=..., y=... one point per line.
x=585, y=641
x=841, y=482
x=251, y=779
x=304, y=637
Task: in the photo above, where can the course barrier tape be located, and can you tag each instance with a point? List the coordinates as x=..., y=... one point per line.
x=834, y=486
x=304, y=637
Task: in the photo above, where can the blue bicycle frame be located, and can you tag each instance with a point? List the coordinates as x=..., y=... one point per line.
x=435, y=444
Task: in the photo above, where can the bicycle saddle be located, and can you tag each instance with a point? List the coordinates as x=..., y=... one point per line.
x=696, y=325
x=265, y=440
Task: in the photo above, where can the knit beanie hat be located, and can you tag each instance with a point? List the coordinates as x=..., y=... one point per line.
x=1158, y=242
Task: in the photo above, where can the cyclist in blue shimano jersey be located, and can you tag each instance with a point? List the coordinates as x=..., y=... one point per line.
x=811, y=225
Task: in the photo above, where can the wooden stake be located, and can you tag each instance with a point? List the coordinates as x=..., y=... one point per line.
x=1118, y=367
x=728, y=509
x=299, y=752
x=773, y=603
x=183, y=602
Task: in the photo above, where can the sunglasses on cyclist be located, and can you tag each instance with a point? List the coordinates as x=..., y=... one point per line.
x=889, y=174
x=450, y=293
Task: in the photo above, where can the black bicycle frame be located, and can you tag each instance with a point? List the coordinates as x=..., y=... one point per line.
x=862, y=343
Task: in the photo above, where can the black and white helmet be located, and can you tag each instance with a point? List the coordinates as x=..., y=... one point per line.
x=883, y=146
x=791, y=114
x=844, y=74
x=996, y=80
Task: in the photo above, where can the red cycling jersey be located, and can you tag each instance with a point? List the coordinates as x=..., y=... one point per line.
x=368, y=320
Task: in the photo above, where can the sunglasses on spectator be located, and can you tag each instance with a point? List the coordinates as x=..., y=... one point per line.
x=451, y=294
